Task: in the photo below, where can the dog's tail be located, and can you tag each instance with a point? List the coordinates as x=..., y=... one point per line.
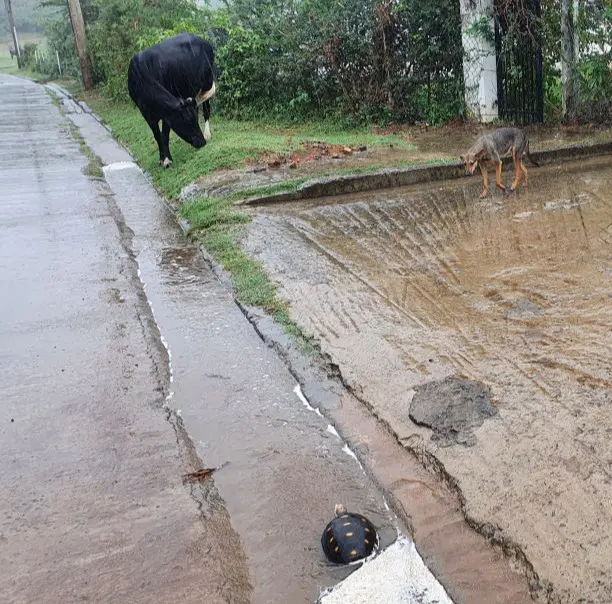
x=535, y=163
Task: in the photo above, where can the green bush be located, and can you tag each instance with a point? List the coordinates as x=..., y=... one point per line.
x=372, y=59
x=125, y=27
x=357, y=60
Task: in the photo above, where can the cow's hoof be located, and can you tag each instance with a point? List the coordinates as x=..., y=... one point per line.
x=167, y=163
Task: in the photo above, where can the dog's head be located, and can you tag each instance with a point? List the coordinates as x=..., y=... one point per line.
x=470, y=161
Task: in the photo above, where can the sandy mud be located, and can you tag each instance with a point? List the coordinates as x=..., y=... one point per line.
x=406, y=288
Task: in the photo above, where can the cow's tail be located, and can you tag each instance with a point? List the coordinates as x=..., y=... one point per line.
x=133, y=76
x=208, y=94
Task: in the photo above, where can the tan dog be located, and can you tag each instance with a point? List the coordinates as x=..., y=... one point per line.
x=489, y=150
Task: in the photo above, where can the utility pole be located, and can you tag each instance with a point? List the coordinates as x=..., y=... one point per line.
x=78, y=27
x=9, y=12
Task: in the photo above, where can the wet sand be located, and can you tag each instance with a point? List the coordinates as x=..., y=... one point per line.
x=409, y=286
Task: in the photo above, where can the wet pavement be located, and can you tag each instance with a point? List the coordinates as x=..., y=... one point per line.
x=282, y=469
x=93, y=506
x=126, y=365
x=410, y=286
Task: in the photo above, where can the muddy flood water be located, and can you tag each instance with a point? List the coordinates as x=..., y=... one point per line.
x=407, y=287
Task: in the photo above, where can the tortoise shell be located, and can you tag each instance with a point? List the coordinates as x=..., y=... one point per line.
x=348, y=538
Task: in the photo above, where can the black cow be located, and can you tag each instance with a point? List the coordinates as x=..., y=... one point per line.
x=168, y=82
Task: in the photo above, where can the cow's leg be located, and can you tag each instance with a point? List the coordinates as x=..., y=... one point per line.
x=154, y=125
x=206, y=114
x=165, y=138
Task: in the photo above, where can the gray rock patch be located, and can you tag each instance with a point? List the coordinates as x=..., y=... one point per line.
x=523, y=309
x=452, y=408
x=227, y=182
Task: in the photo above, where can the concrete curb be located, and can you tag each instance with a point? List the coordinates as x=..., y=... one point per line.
x=401, y=177
x=388, y=178
x=443, y=503
x=81, y=105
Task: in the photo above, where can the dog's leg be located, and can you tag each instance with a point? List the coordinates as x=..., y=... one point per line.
x=498, y=182
x=485, y=178
x=524, y=170
x=517, y=169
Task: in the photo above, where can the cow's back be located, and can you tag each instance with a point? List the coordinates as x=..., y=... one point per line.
x=183, y=65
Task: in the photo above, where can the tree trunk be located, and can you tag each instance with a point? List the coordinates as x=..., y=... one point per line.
x=78, y=27
x=568, y=61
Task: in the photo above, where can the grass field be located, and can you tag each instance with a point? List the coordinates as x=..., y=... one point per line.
x=8, y=64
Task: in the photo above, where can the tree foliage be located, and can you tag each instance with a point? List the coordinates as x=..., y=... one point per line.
x=29, y=16
x=383, y=60
x=593, y=68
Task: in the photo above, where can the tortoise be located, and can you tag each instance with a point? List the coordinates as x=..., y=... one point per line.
x=348, y=537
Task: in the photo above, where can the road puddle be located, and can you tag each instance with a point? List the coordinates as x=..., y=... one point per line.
x=405, y=287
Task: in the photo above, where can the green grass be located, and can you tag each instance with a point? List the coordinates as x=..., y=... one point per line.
x=219, y=228
x=234, y=143
x=9, y=66
x=215, y=222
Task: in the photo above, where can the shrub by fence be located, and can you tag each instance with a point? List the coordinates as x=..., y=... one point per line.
x=372, y=60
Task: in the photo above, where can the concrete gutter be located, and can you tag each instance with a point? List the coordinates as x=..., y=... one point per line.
x=400, y=177
x=388, y=178
x=430, y=510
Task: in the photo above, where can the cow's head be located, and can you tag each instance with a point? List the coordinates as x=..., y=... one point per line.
x=184, y=121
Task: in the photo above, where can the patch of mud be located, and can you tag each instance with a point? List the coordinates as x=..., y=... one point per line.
x=312, y=161
x=452, y=408
x=458, y=136
x=409, y=286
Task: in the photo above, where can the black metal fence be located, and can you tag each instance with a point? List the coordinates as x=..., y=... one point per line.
x=520, y=89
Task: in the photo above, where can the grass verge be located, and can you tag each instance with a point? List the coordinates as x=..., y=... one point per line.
x=215, y=223
x=234, y=143
x=219, y=228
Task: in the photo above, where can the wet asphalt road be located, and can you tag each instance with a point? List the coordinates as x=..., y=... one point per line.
x=93, y=507
x=126, y=364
